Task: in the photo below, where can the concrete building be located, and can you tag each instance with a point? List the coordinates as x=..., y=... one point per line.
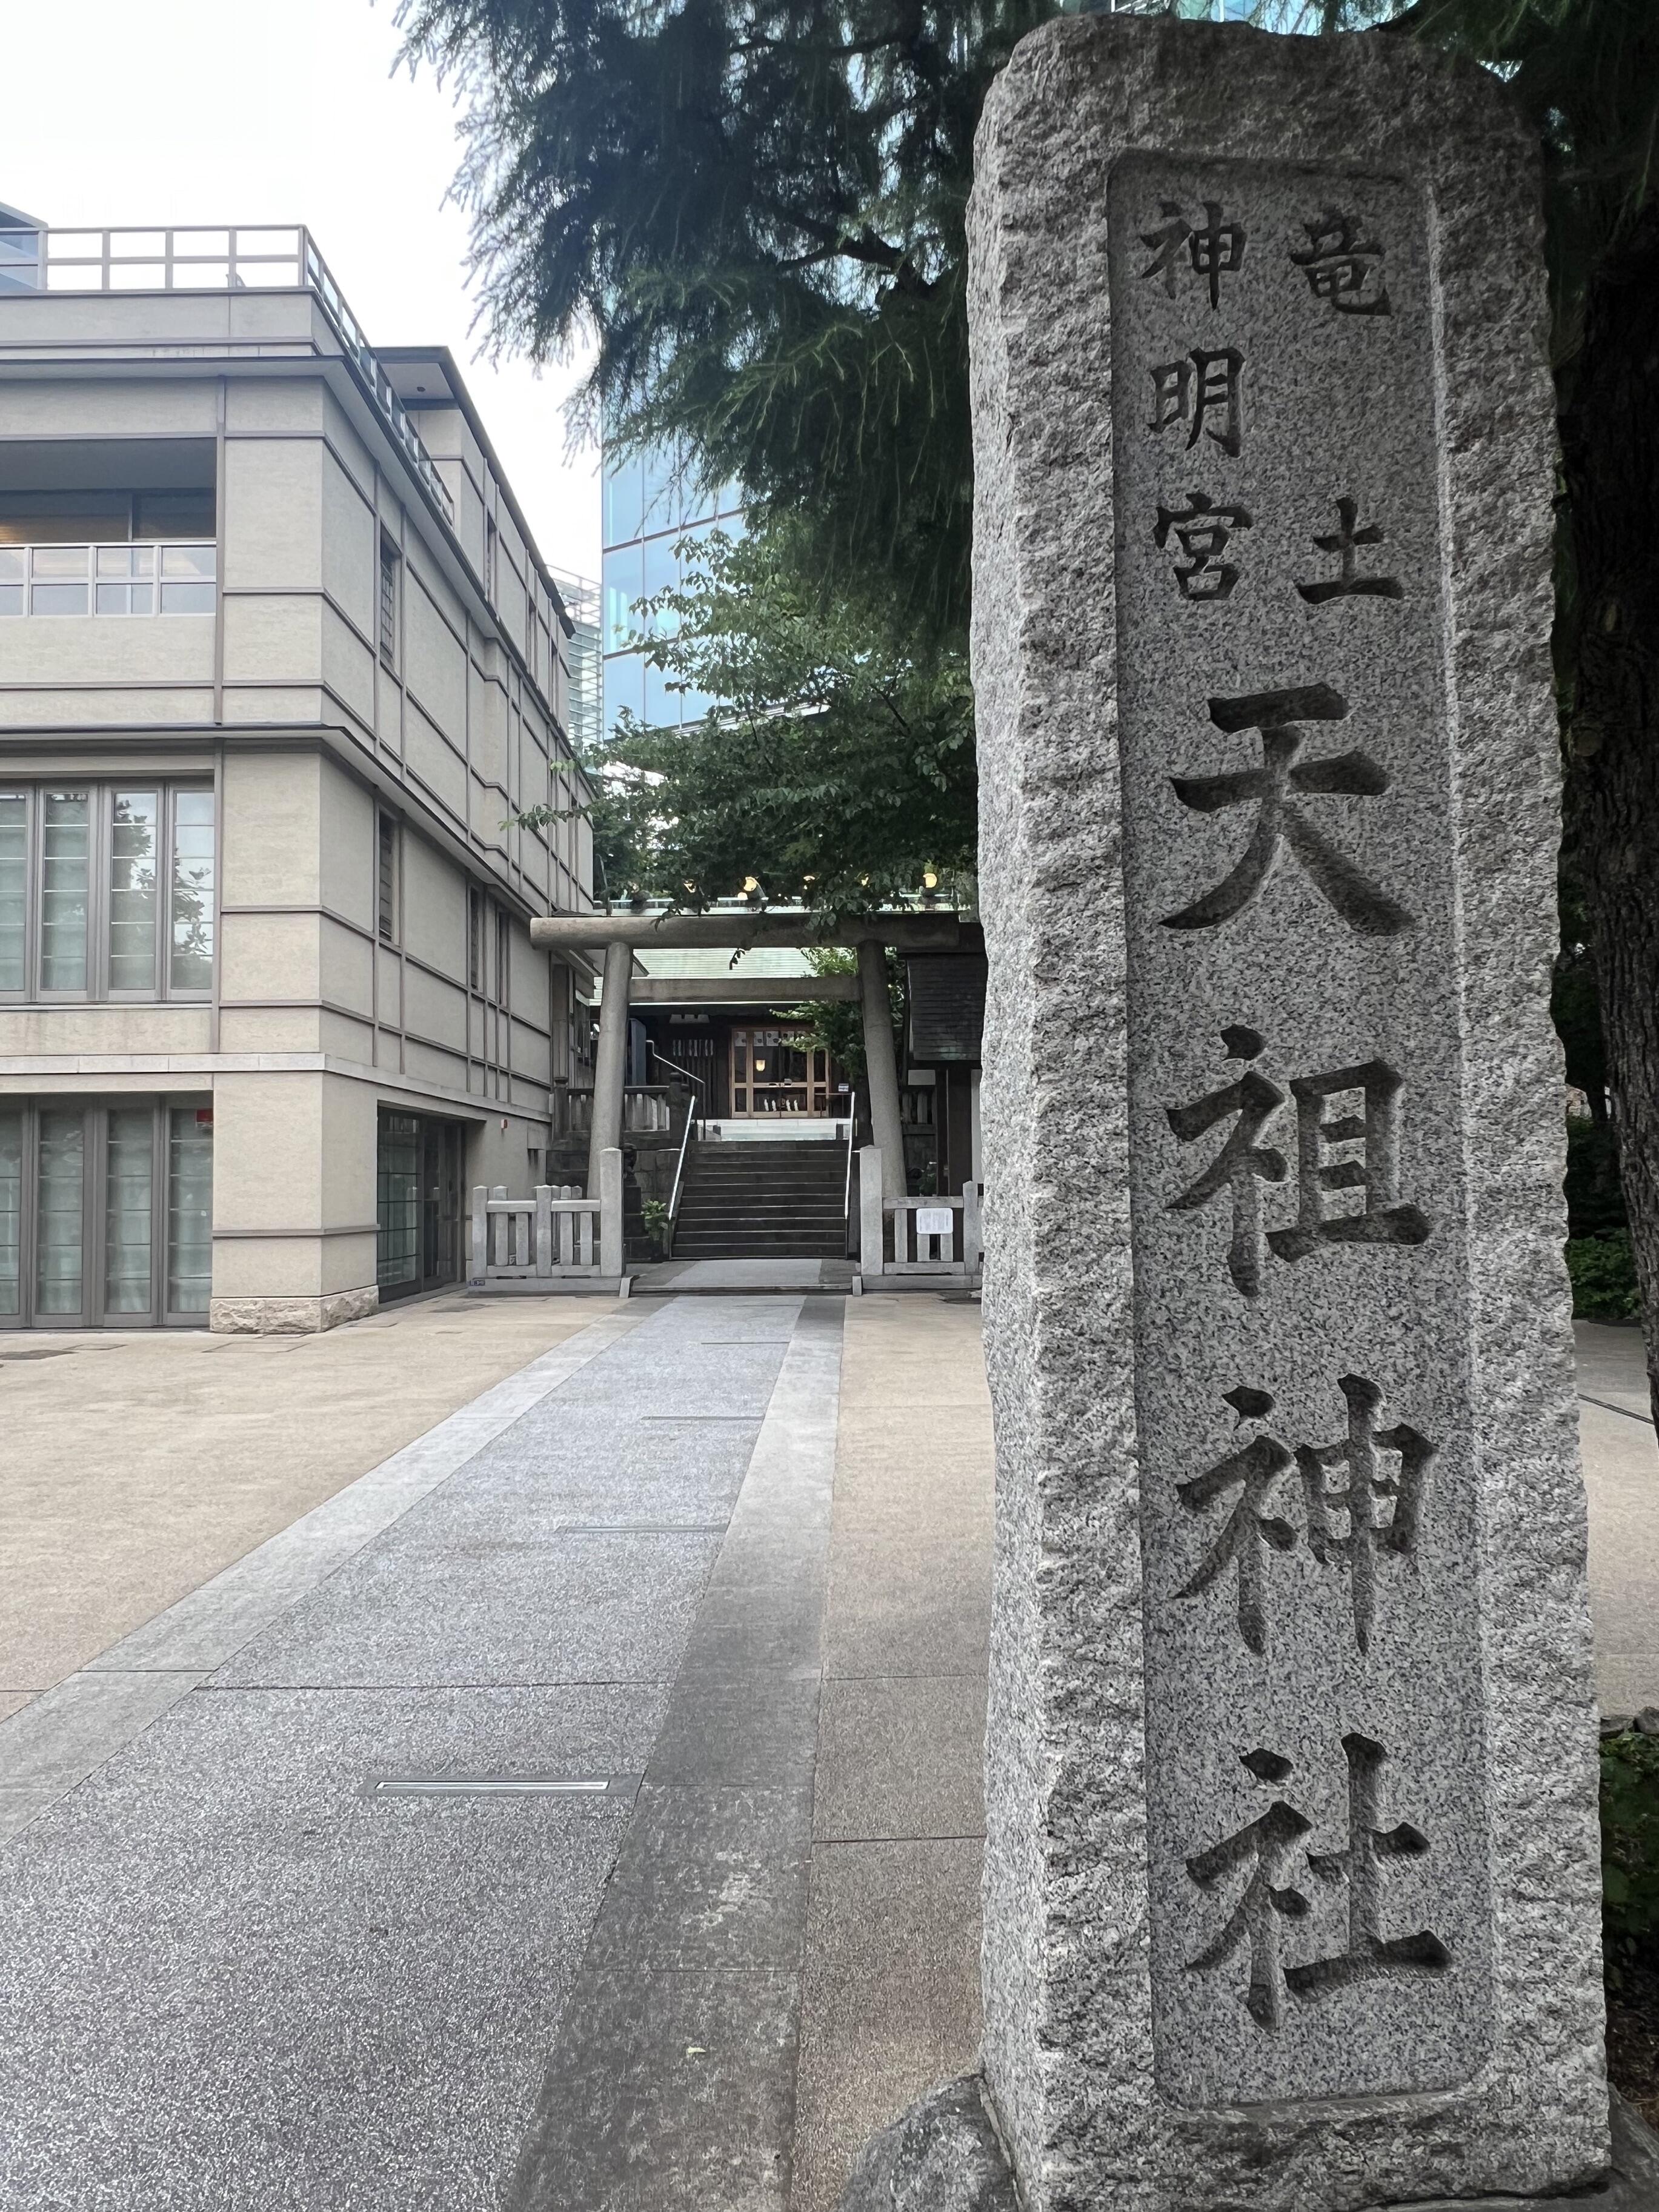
x=279, y=661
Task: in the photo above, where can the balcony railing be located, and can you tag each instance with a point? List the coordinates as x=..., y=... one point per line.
x=121, y=578
x=237, y=259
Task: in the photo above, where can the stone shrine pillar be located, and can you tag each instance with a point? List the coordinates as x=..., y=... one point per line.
x=881, y=1063
x=610, y=1061
x=1291, y=1888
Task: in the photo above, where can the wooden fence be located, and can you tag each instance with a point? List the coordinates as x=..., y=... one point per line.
x=556, y=1236
x=915, y=1239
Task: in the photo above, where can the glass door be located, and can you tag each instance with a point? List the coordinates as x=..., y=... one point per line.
x=440, y=1202
x=398, y=1209
x=779, y=1071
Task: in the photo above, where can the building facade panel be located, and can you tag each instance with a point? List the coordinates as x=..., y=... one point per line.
x=268, y=1003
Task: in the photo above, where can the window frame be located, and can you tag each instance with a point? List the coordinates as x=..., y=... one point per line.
x=389, y=621
x=101, y=792
x=94, y=1111
x=388, y=877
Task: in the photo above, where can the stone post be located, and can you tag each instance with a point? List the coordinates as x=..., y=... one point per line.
x=871, y=1233
x=1291, y=1886
x=610, y=1185
x=610, y=1059
x=881, y=1064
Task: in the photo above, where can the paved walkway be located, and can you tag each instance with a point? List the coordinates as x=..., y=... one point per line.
x=685, y=1561
x=300, y=1907
x=138, y=1465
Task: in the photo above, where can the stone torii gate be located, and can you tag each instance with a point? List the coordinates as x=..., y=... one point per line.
x=622, y=934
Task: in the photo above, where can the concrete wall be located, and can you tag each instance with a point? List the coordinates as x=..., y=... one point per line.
x=311, y=729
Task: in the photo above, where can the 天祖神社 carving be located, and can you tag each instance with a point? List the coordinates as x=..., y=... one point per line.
x=1292, y=1863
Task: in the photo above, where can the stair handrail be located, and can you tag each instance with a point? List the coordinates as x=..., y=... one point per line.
x=846, y=1193
x=696, y=1083
x=679, y=1178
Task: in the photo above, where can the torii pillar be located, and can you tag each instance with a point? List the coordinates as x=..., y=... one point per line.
x=611, y=1066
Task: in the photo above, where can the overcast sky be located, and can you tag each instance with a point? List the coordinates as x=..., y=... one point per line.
x=228, y=110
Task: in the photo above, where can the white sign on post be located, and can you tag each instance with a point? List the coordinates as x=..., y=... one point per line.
x=934, y=1220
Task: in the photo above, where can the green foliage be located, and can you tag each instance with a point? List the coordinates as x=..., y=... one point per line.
x=837, y=1025
x=1603, y=1272
x=654, y=1213
x=1595, y=1202
x=1586, y=72
x=837, y=765
x=1629, y=1849
x=758, y=208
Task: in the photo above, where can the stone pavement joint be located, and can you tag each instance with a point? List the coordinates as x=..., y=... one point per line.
x=672, y=2080
x=289, y=1992
x=63, y=1735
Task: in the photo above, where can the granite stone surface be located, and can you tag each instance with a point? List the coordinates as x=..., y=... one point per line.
x=942, y=2156
x=1292, y=1893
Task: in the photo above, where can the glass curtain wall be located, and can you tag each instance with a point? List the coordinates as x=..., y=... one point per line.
x=655, y=508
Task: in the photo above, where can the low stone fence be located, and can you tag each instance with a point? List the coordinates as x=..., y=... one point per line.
x=915, y=1239
x=558, y=1235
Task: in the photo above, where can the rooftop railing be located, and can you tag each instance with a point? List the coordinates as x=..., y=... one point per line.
x=268, y=258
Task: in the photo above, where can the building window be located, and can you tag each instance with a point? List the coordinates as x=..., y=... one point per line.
x=105, y=1212
x=490, y=556
x=385, y=880
x=118, y=553
x=107, y=891
x=190, y=895
x=503, y=959
x=388, y=602
x=475, y=935
x=190, y=1209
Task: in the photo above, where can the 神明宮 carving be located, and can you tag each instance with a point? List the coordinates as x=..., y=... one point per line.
x=1377, y=1512
x=1202, y=529
x=1340, y=266
x=1213, y=249
x=1369, y=1161
x=1203, y=392
x=1345, y=541
x=1264, y=1851
x=1280, y=820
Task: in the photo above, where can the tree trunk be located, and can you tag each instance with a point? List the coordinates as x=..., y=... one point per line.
x=1610, y=446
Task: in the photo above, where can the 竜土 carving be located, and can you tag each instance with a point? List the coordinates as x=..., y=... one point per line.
x=1346, y=542
x=1342, y=267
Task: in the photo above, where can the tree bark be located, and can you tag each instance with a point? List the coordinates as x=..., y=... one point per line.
x=1610, y=449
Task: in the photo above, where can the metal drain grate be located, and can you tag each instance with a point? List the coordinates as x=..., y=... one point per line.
x=501, y=1785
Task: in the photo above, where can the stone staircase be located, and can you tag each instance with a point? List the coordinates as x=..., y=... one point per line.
x=769, y=1199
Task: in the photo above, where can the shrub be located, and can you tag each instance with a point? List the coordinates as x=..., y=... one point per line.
x=1596, y=1202
x=1630, y=1849
x=1603, y=1272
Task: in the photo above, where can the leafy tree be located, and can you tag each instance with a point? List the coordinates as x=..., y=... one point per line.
x=836, y=765
x=1587, y=73
x=759, y=207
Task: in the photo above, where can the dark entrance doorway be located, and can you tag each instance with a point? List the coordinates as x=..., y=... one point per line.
x=418, y=1214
